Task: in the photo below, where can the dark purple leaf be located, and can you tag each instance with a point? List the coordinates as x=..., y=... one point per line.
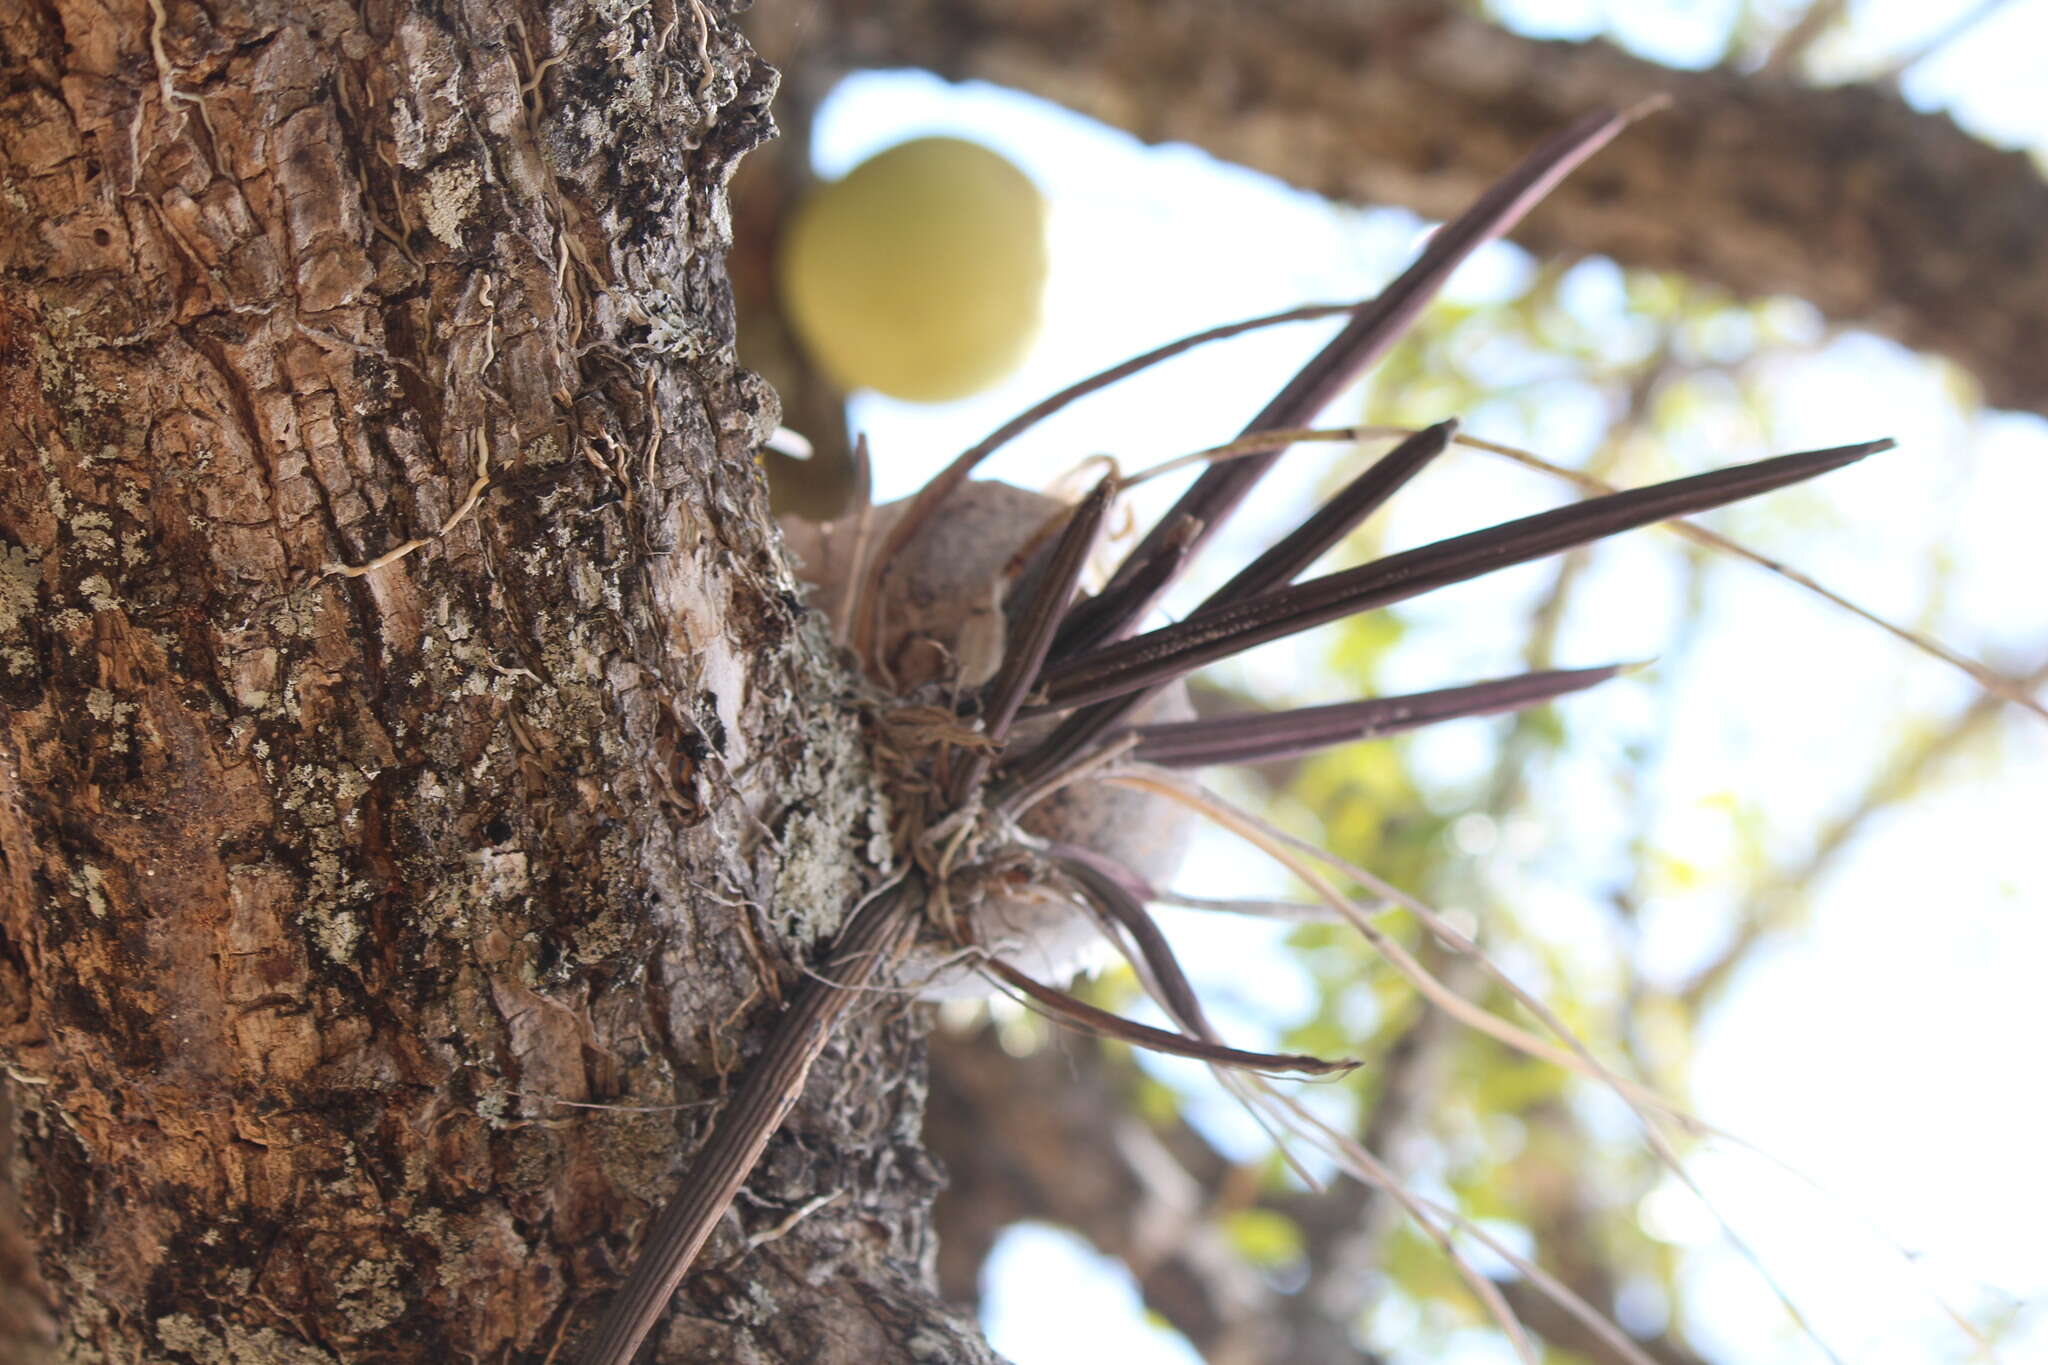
x=1086, y=1017
x=1377, y=325
x=1032, y=631
x=1114, y=613
x=942, y=485
x=1157, y=656
x=1336, y=518
x=1288, y=734
x=1108, y=892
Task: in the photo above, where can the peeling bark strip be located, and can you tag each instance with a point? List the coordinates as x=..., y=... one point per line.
x=322, y=893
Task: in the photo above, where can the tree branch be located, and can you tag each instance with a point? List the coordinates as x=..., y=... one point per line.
x=1881, y=216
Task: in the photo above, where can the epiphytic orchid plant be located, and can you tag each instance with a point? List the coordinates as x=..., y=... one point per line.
x=1076, y=697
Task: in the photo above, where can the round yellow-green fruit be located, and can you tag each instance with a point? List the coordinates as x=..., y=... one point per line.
x=920, y=273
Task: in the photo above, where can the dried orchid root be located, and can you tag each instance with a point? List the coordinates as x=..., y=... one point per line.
x=1001, y=694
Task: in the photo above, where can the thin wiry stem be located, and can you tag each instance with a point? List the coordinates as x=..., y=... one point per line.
x=1158, y=656
x=1359, y=1161
x=1289, y=734
x=1258, y=441
x=1277, y=1111
x=1289, y=853
x=1107, y=884
x=948, y=480
x=1291, y=912
x=1647, y=1104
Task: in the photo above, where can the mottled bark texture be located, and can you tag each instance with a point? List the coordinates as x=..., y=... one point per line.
x=324, y=894
x=1877, y=214
x=26, y=1326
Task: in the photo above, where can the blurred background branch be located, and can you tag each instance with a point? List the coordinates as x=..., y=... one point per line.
x=1879, y=215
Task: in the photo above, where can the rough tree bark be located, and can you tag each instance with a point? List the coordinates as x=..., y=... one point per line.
x=326, y=893
x=1878, y=215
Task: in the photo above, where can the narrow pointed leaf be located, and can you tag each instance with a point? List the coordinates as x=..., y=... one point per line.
x=1289, y=734
x=1377, y=325
x=1025, y=652
x=867, y=948
x=1086, y=1017
x=1071, y=742
x=1157, y=656
x=942, y=485
x=1109, y=894
x=1121, y=608
x=1032, y=632
x=1336, y=518
x=1112, y=614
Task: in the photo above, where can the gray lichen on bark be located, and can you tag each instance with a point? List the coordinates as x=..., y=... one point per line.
x=323, y=889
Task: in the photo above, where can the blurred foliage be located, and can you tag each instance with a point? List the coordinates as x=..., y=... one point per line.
x=1680, y=375
x=1574, y=836
x=1511, y=1141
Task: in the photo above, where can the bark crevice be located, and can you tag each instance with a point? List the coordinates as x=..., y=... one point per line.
x=332, y=895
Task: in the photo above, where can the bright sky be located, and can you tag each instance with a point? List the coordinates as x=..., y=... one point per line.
x=1894, y=1050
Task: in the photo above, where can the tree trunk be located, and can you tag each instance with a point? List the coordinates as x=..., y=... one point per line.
x=412, y=736
x=1878, y=215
